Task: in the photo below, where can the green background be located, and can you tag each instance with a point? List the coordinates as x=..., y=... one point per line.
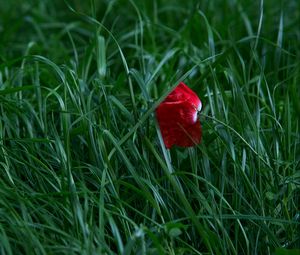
x=83, y=169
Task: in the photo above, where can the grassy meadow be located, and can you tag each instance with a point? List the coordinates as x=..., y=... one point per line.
x=83, y=167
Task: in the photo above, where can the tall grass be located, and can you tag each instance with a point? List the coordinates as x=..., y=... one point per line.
x=82, y=163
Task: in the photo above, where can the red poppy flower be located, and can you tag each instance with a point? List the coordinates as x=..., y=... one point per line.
x=177, y=117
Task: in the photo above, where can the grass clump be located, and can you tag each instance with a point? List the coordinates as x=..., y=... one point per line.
x=83, y=167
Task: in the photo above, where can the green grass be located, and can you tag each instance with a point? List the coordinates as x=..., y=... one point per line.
x=82, y=163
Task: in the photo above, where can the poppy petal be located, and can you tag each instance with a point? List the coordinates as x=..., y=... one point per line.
x=177, y=118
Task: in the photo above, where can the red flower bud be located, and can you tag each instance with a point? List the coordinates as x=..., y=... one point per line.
x=177, y=117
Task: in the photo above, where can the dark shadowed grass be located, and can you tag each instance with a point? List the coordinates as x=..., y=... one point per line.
x=83, y=166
